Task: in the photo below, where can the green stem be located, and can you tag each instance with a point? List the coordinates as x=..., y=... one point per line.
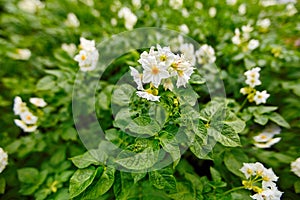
x=233, y=189
x=243, y=104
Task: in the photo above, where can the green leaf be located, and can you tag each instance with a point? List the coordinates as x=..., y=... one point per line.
x=216, y=176
x=234, y=122
x=80, y=180
x=28, y=175
x=158, y=113
x=278, y=119
x=84, y=160
x=234, y=160
x=69, y=134
x=46, y=83
x=101, y=186
x=197, y=79
x=2, y=185
x=265, y=109
x=163, y=179
x=202, y=147
x=137, y=161
x=122, y=94
x=227, y=137
x=144, y=126
x=170, y=145
x=184, y=191
x=261, y=119
x=297, y=186
x=249, y=63
x=138, y=176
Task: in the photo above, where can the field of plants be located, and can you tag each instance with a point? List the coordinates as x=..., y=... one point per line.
x=154, y=99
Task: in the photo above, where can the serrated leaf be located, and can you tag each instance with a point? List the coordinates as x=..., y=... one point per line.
x=163, y=179
x=80, y=180
x=279, y=120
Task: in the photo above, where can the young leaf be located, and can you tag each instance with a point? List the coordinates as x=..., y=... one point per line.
x=28, y=175
x=163, y=179
x=84, y=160
x=278, y=119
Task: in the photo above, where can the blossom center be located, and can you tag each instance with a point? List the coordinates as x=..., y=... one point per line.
x=163, y=57
x=154, y=70
x=83, y=57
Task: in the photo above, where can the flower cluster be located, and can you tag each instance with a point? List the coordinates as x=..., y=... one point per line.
x=295, y=167
x=159, y=66
x=261, y=180
x=31, y=6
x=129, y=17
x=265, y=138
x=3, y=159
x=243, y=38
x=88, y=55
x=252, y=81
x=28, y=121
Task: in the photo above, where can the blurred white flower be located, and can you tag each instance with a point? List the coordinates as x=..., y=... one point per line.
x=175, y=4
x=113, y=21
x=30, y=6
x=87, y=45
x=261, y=97
x=24, y=126
x=272, y=129
x=3, y=159
x=263, y=23
x=252, y=82
x=137, y=77
x=69, y=48
x=267, y=144
x=136, y=3
x=253, y=44
x=212, y=12
x=72, y=21
x=159, y=2
x=242, y=9
x=236, y=38
x=198, y=5
x=19, y=106
x=187, y=49
x=88, y=2
x=21, y=54
x=87, y=60
x=184, y=29
x=231, y=2
x=185, y=13
x=205, y=54
x=39, y=102
x=295, y=167
x=129, y=17
x=28, y=117
x=148, y=96
x=291, y=9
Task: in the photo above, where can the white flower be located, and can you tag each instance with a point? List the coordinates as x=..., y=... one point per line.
x=244, y=90
x=113, y=22
x=148, y=96
x=21, y=54
x=261, y=97
x=267, y=194
x=130, y=18
x=248, y=170
x=87, y=60
x=24, y=126
x=69, y=48
x=252, y=82
x=264, y=23
x=253, y=44
x=30, y=6
x=87, y=45
x=154, y=71
x=236, y=38
x=272, y=129
x=175, y=4
x=137, y=77
x=184, y=28
x=268, y=144
x=231, y=2
x=206, y=54
x=3, y=159
x=19, y=106
x=269, y=176
x=187, y=49
x=253, y=73
x=28, y=117
x=88, y=2
x=185, y=13
x=136, y=3
x=183, y=69
x=72, y=21
x=198, y=5
x=263, y=137
x=242, y=9
x=39, y=102
x=295, y=166
x=291, y=9
x=164, y=55
x=212, y=12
